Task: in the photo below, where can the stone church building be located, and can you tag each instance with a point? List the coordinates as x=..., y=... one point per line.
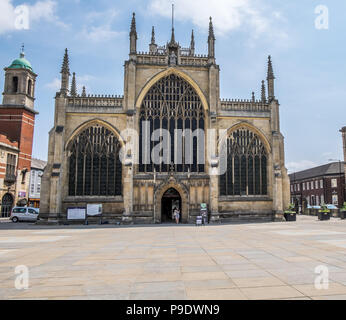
x=234, y=163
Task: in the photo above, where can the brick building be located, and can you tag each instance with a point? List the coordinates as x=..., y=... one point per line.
x=17, y=120
x=323, y=184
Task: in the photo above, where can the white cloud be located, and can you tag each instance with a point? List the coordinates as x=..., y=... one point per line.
x=7, y=16
x=228, y=15
x=100, y=33
x=300, y=166
x=99, y=26
x=54, y=85
x=82, y=81
x=41, y=10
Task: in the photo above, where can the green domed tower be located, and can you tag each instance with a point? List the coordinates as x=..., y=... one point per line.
x=17, y=117
x=21, y=63
x=20, y=82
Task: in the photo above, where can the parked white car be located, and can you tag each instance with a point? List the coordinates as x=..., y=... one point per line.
x=24, y=214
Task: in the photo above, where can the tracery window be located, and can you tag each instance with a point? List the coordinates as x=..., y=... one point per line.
x=95, y=168
x=174, y=105
x=247, y=159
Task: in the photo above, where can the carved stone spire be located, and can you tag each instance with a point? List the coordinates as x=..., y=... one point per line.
x=211, y=29
x=84, y=92
x=263, y=93
x=270, y=80
x=153, y=45
x=65, y=74
x=211, y=40
x=172, y=42
x=270, y=74
x=73, y=91
x=133, y=24
x=153, y=36
x=65, y=65
x=192, y=44
x=133, y=35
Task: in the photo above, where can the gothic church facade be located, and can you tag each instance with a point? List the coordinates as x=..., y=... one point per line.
x=167, y=89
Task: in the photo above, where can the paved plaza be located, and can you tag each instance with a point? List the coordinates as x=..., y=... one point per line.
x=247, y=261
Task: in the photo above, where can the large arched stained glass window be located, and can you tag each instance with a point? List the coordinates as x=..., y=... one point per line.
x=246, y=173
x=95, y=168
x=174, y=105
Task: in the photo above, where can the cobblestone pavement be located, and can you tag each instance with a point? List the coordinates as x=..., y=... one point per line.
x=246, y=261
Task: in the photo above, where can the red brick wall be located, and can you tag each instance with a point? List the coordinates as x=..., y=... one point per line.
x=18, y=126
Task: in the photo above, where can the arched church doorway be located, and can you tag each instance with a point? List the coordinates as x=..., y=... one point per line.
x=6, y=205
x=170, y=200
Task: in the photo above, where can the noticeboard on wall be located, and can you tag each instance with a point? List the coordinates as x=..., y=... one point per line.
x=76, y=213
x=94, y=209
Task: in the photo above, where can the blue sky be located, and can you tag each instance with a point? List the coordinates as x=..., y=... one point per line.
x=309, y=63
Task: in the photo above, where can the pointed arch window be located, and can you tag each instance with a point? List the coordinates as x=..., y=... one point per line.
x=172, y=104
x=95, y=168
x=247, y=162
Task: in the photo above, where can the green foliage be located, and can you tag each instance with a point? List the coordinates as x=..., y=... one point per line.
x=344, y=207
x=324, y=209
x=291, y=209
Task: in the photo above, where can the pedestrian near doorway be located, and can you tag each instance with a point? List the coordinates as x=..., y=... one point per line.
x=205, y=217
x=177, y=215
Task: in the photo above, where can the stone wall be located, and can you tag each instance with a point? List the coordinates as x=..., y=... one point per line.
x=142, y=195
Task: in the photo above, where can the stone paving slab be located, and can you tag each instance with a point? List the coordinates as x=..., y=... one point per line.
x=220, y=262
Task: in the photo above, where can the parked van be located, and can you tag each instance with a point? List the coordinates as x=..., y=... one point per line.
x=24, y=214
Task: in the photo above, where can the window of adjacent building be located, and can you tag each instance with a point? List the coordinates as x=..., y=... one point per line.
x=321, y=184
x=308, y=186
x=303, y=186
x=33, y=179
x=334, y=183
x=29, y=87
x=317, y=200
x=316, y=184
x=298, y=186
x=11, y=166
x=335, y=199
x=322, y=199
x=14, y=84
x=38, y=184
x=291, y=188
